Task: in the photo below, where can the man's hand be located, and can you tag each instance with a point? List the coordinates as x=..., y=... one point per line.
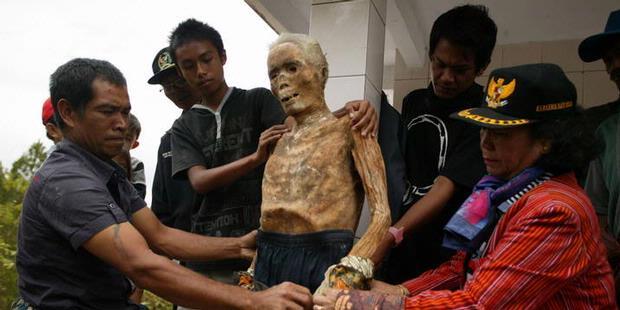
x=247, y=244
x=268, y=139
x=363, y=117
x=286, y=295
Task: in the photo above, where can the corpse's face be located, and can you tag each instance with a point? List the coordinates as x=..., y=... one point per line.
x=508, y=151
x=453, y=69
x=295, y=82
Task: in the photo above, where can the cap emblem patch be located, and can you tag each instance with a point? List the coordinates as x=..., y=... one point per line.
x=497, y=92
x=165, y=61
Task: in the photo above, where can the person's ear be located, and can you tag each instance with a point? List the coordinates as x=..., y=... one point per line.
x=546, y=147
x=135, y=144
x=67, y=113
x=53, y=132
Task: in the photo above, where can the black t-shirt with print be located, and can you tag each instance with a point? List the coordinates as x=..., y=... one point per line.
x=435, y=145
x=215, y=138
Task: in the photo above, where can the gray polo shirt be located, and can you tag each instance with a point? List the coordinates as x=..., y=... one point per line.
x=72, y=197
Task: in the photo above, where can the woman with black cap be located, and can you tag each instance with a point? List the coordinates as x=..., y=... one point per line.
x=527, y=236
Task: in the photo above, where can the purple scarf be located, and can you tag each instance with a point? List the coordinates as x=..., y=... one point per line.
x=474, y=221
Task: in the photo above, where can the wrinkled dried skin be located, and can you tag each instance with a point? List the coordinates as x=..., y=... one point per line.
x=311, y=183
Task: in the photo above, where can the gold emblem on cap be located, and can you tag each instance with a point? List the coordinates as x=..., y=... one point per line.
x=165, y=61
x=497, y=92
x=491, y=121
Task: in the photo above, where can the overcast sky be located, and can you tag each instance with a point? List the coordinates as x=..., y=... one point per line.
x=37, y=36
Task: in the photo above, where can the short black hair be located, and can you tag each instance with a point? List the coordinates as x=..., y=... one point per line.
x=73, y=81
x=573, y=144
x=193, y=30
x=134, y=127
x=468, y=26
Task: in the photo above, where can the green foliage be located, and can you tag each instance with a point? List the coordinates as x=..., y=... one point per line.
x=14, y=182
x=9, y=214
x=13, y=185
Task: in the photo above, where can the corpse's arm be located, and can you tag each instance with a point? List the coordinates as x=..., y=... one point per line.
x=370, y=167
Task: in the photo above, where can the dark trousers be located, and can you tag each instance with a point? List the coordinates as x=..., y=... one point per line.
x=302, y=258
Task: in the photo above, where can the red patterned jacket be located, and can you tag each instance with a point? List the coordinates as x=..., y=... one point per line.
x=545, y=253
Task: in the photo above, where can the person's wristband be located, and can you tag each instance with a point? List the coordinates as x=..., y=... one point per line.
x=397, y=233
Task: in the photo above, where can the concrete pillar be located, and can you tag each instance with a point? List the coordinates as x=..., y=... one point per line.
x=352, y=35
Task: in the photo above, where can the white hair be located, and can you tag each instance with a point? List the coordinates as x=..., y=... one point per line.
x=309, y=47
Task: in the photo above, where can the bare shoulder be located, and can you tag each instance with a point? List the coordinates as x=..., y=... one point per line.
x=343, y=121
x=342, y=125
x=334, y=126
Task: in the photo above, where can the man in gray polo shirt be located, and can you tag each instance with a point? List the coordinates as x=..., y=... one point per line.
x=84, y=231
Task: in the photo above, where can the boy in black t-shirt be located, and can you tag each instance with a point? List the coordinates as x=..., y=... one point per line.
x=222, y=143
x=442, y=155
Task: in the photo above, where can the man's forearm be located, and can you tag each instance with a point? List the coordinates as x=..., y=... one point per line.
x=204, y=180
x=428, y=207
x=124, y=248
x=193, y=247
x=183, y=245
x=187, y=288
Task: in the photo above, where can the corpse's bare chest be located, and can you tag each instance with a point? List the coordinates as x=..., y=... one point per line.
x=309, y=161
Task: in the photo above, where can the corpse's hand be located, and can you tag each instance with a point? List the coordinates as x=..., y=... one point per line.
x=352, y=299
x=353, y=272
x=363, y=116
x=247, y=245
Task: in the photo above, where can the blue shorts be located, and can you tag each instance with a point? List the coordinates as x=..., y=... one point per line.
x=302, y=258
